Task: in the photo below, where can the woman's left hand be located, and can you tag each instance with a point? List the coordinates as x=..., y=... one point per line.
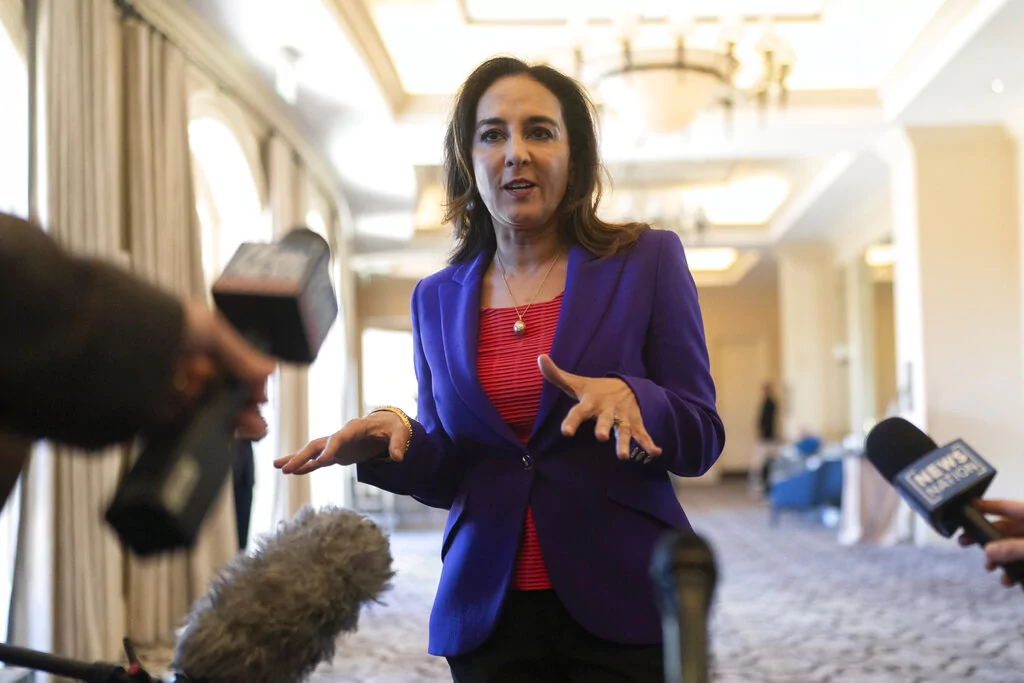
x=607, y=400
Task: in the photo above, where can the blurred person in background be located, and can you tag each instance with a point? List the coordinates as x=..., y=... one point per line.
x=557, y=490
x=765, y=449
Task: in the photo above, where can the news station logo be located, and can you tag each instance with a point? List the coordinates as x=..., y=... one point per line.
x=945, y=472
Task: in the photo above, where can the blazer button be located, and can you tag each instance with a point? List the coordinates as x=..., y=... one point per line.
x=527, y=462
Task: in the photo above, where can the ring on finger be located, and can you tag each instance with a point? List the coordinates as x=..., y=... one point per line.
x=620, y=423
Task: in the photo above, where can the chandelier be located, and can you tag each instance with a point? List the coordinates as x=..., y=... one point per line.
x=667, y=86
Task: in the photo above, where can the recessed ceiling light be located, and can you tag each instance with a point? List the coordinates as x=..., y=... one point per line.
x=711, y=259
x=880, y=255
x=997, y=86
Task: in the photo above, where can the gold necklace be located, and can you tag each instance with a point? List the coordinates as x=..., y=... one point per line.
x=519, y=327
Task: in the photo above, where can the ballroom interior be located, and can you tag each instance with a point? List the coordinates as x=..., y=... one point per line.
x=846, y=178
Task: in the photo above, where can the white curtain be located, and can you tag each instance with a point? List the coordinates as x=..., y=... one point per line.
x=328, y=374
x=73, y=576
x=286, y=192
x=164, y=241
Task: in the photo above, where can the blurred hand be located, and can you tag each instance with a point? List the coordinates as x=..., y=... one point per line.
x=1011, y=525
x=213, y=346
x=609, y=401
x=359, y=440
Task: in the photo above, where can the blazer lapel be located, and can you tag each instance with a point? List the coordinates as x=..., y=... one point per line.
x=590, y=283
x=460, y=322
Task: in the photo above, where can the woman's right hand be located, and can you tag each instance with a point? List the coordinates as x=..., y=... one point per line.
x=359, y=440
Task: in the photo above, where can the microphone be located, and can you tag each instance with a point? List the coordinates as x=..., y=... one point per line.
x=939, y=483
x=684, y=574
x=279, y=297
x=274, y=616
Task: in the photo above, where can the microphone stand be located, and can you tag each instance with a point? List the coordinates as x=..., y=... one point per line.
x=95, y=672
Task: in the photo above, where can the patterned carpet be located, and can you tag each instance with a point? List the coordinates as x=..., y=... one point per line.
x=793, y=606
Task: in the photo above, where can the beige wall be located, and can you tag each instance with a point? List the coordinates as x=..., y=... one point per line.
x=812, y=324
x=958, y=273
x=970, y=268
x=885, y=348
x=737, y=320
x=383, y=302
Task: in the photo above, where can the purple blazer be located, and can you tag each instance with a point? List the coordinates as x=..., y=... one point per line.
x=634, y=316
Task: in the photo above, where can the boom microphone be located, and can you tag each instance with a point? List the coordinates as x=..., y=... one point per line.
x=274, y=616
x=280, y=298
x=267, y=618
x=939, y=483
x=684, y=574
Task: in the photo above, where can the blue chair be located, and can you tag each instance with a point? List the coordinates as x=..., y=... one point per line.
x=808, y=490
x=831, y=483
x=797, y=492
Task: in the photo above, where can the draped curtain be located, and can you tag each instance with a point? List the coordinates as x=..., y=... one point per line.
x=164, y=245
x=113, y=181
x=75, y=571
x=287, y=199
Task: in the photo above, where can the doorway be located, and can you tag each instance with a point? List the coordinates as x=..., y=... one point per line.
x=739, y=370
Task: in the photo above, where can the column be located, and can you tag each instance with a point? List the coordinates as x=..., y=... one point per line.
x=860, y=339
x=957, y=292
x=811, y=310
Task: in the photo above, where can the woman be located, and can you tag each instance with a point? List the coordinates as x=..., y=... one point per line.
x=552, y=522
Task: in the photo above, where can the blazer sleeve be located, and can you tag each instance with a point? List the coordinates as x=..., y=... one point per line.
x=677, y=398
x=431, y=471
x=87, y=352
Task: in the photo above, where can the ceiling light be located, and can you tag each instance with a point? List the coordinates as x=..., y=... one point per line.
x=635, y=81
x=711, y=259
x=997, y=86
x=880, y=255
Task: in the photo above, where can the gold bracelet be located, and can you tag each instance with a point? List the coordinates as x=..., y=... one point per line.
x=405, y=420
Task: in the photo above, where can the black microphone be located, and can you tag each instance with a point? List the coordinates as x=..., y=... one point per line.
x=279, y=297
x=939, y=483
x=274, y=616
x=684, y=574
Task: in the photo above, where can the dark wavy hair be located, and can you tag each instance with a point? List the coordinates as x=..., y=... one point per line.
x=472, y=226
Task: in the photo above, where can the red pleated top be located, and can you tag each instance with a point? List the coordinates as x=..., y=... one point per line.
x=507, y=367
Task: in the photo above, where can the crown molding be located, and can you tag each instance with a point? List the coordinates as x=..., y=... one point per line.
x=209, y=51
x=356, y=21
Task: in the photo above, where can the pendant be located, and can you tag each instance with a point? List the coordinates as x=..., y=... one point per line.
x=519, y=328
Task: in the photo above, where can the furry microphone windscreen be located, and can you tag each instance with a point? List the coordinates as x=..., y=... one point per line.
x=274, y=616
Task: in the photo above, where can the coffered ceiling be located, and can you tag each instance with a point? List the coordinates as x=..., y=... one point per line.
x=842, y=44
x=377, y=76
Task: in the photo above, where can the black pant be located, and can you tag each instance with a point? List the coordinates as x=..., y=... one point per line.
x=243, y=478
x=536, y=640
